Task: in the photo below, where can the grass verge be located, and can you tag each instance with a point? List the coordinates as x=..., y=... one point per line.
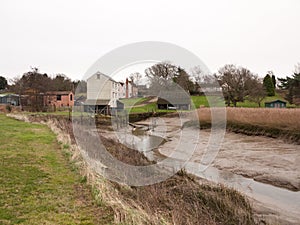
x=37, y=183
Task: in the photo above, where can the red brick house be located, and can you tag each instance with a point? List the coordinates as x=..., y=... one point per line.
x=59, y=99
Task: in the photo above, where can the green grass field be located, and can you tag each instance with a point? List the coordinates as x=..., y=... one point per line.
x=139, y=105
x=249, y=104
x=136, y=105
x=38, y=185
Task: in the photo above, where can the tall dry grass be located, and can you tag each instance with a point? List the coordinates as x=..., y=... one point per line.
x=286, y=119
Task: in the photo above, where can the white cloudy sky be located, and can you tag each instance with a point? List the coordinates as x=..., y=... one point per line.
x=64, y=36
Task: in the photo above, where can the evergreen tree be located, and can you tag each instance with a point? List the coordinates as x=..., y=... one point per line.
x=3, y=83
x=269, y=86
x=274, y=81
x=292, y=86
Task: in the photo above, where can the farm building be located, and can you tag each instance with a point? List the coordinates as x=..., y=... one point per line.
x=275, y=104
x=10, y=99
x=59, y=99
x=174, y=100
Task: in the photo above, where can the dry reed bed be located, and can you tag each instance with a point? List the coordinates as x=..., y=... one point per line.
x=288, y=119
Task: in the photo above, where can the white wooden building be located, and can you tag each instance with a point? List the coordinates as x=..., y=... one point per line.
x=101, y=86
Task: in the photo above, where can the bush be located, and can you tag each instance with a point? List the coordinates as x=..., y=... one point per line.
x=8, y=108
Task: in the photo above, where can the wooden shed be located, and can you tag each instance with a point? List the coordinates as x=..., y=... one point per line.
x=275, y=104
x=10, y=99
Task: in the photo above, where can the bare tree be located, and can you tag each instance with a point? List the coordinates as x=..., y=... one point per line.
x=257, y=91
x=32, y=84
x=61, y=83
x=161, y=75
x=204, y=81
x=135, y=77
x=235, y=82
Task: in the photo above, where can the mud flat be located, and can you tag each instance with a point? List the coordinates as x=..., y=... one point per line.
x=265, y=169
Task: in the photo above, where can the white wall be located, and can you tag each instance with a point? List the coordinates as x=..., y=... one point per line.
x=100, y=86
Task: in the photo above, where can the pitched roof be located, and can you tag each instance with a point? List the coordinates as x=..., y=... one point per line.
x=173, y=97
x=278, y=100
x=58, y=92
x=102, y=74
x=9, y=95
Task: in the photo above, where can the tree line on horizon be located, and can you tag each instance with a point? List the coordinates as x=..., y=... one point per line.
x=39, y=82
x=237, y=82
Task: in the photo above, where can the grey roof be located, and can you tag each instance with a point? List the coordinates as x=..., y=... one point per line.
x=8, y=94
x=97, y=102
x=173, y=97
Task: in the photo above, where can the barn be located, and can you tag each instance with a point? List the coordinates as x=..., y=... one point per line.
x=174, y=100
x=10, y=99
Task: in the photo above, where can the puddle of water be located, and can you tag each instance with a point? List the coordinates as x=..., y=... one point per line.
x=141, y=140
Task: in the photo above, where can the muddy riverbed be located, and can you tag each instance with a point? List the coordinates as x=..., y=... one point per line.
x=265, y=169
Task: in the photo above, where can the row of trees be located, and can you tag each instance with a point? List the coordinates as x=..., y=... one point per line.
x=34, y=81
x=237, y=83
x=35, y=85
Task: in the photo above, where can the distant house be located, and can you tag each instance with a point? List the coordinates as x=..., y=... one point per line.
x=275, y=104
x=142, y=90
x=209, y=89
x=127, y=89
x=59, y=99
x=173, y=100
x=102, y=94
x=10, y=99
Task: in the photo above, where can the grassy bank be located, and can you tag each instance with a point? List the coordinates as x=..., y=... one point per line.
x=178, y=200
x=283, y=123
x=37, y=183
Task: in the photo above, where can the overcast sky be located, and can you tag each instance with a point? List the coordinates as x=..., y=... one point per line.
x=62, y=36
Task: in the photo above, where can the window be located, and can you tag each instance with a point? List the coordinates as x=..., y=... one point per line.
x=98, y=76
x=71, y=97
x=58, y=97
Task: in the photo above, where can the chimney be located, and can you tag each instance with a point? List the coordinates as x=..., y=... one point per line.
x=126, y=88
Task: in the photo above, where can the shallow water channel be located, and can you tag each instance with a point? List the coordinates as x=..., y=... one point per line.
x=281, y=202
